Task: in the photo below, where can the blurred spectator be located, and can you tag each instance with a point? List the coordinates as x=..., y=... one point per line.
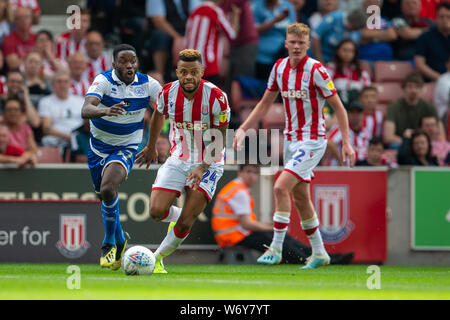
x=325, y=7
x=406, y=113
x=205, y=30
x=409, y=26
x=299, y=15
x=442, y=92
x=133, y=23
x=36, y=84
x=78, y=75
x=163, y=148
x=346, y=73
x=20, y=133
x=105, y=15
x=440, y=146
x=21, y=40
x=244, y=48
x=373, y=118
x=429, y=8
x=272, y=18
x=60, y=112
x=45, y=46
x=415, y=150
x=6, y=20
x=16, y=88
x=74, y=40
x=234, y=221
x=391, y=9
x=168, y=19
x=79, y=142
x=10, y=153
x=335, y=27
x=376, y=36
x=310, y=7
x=32, y=4
x=374, y=154
x=98, y=59
x=433, y=47
x=157, y=76
x=349, y=5
x=358, y=135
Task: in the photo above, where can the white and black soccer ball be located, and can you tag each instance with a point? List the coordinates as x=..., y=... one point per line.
x=138, y=261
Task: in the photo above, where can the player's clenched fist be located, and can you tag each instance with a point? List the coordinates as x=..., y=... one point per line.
x=115, y=110
x=196, y=176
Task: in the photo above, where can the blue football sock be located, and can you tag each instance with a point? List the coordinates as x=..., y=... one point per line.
x=110, y=218
x=120, y=237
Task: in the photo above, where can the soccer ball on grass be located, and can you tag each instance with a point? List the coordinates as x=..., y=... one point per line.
x=138, y=260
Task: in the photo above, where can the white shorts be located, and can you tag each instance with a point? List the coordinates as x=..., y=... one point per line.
x=301, y=157
x=173, y=173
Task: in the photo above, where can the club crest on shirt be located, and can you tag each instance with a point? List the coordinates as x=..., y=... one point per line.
x=205, y=109
x=305, y=77
x=139, y=91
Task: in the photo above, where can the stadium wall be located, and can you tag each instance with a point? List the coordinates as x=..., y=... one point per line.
x=71, y=183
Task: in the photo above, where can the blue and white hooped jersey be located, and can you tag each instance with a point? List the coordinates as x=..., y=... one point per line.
x=108, y=134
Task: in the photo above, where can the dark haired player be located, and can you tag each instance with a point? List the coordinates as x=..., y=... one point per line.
x=193, y=106
x=115, y=104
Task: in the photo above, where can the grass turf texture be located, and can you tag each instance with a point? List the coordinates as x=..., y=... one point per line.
x=228, y=282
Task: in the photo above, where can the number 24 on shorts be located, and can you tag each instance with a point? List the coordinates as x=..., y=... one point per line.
x=208, y=177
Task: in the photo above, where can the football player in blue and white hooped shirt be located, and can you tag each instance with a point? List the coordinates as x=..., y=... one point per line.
x=115, y=104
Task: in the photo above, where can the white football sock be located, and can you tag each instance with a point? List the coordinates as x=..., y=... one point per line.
x=173, y=214
x=280, y=226
x=171, y=242
x=311, y=229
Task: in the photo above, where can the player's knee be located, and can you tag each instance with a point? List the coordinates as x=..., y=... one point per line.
x=280, y=192
x=157, y=212
x=108, y=192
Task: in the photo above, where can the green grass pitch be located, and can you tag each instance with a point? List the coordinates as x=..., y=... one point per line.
x=224, y=282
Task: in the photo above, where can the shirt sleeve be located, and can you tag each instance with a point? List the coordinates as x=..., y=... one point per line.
x=154, y=89
x=221, y=109
x=323, y=82
x=98, y=87
x=44, y=108
x=272, y=84
x=240, y=203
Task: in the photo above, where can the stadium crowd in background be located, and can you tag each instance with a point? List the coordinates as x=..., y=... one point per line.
x=240, y=40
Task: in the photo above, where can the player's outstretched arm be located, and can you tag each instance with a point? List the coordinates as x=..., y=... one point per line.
x=347, y=151
x=91, y=110
x=149, y=153
x=258, y=112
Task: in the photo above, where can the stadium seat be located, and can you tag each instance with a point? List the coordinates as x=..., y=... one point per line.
x=391, y=71
x=428, y=91
x=49, y=155
x=274, y=118
x=244, y=112
x=388, y=91
x=178, y=45
x=365, y=65
x=237, y=99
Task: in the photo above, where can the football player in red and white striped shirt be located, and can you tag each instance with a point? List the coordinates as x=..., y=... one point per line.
x=195, y=164
x=206, y=27
x=73, y=40
x=305, y=86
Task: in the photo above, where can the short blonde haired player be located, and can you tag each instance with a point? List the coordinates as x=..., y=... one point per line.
x=305, y=86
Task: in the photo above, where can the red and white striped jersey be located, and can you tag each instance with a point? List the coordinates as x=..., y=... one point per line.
x=66, y=46
x=97, y=66
x=79, y=88
x=303, y=90
x=189, y=119
x=373, y=123
x=33, y=4
x=359, y=140
x=348, y=78
x=204, y=29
